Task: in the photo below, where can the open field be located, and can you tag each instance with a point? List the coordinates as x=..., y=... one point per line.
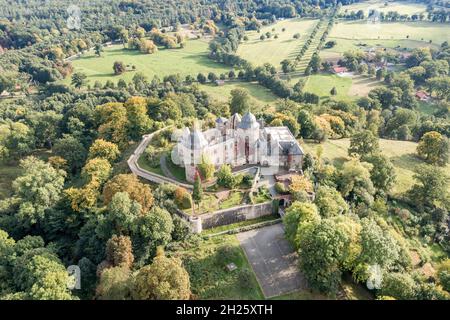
x=402, y=7
x=401, y=153
x=273, y=50
x=260, y=96
x=418, y=31
x=321, y=84
x=187, y=61
x=209, y=277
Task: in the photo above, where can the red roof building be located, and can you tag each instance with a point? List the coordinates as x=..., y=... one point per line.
x=422, y=96
x=337, y=69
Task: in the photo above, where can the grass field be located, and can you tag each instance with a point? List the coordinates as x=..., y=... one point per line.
x=321, y=84
x=210, y=279
x=418, y=31
x=273, y=50
x=401, y=153
x=402, y=7
x=260, y=95
x=187, y=61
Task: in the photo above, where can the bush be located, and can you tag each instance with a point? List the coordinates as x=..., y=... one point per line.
x=280, y=188
x=245, y=278
x=181, y=229
x=398, y=285
x=226, y=254
x=183, y=198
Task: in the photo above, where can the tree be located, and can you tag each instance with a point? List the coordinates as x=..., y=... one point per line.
x=114, y=284
x=147, y=46
x=322, y=252
x=16, y=140
x=79, y=80
x=296, y=36
x=206, y=168
x=197, y=193
x=119, y=252
x=201, y=78
x=119, y=67
x=330, y=202
x=287, y=66
x=38, y=188
x=150, y=232
x=378, y=246
x=225, y=176
x=431, y=187
x=363, y=143
x=139, y=122
x=72, y=150
x=382, y=173
x=333, y=91
x=299, y=215
x=212, y=77
x=183, y=198
x=433, y=148
x=104, y=149
x=130, y=184
x=164, y=279
x=443, y=273
x=398, y=285
x=98, y=49
x=239, y=101
x=314, y=63
x=96, y=170
x=122, y=214
x=354, y=182
x=113, y=122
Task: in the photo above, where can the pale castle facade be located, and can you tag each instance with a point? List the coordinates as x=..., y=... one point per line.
x=238, y=141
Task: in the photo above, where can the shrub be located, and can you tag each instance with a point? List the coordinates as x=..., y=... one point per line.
x=183, y=198
x=245, y=278
x=280, y=188
x=226, y=254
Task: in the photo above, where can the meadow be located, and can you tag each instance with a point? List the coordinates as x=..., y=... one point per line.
x=402, y=7
x=401, y=153
x=190, y=60
x=260, y=96
x=416, y=31
x=274, y=50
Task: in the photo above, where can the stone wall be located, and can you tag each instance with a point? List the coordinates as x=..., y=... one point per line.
x=235, y=214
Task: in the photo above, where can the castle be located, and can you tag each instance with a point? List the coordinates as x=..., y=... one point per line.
x=238, y=141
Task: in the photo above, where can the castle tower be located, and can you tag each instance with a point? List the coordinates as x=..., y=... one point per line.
x=247, y=136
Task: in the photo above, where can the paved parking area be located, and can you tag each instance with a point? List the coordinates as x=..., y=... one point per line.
x=273, y=260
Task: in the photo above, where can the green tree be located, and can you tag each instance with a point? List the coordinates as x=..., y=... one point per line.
x=354, y=182
x=151, y=231
x=79, y=80
x=431, y=187
x=119, y=67
x=98, y=49
x=298, y=216
x=239, y=101
x=443, y=273
x=400, y=286
x=38, y=188
x=197, y=193
x=330, y=202
x=382, y=173
x=72, y=150
x=206, y=168
x=363, y=143
x=433, y=148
